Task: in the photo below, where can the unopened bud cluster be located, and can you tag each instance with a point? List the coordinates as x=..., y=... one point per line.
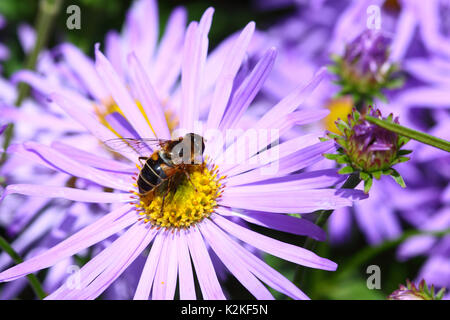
x=364, y=69
x=367, y=148
x=412, y=292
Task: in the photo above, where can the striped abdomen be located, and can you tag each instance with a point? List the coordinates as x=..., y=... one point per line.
x=151, y=175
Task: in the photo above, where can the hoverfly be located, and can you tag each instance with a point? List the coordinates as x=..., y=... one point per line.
x=166, y=165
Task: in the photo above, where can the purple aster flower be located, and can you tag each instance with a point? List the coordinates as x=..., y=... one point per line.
x=197, y=215
x=368, y=52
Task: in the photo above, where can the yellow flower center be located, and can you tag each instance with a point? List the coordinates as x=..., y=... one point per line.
x=185, y=204
x=339, y=108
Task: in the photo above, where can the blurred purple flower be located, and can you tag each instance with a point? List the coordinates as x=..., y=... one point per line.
x=419, y=44
x=368, y=52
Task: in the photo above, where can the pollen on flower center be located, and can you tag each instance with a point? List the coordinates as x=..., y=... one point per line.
x=189, y=202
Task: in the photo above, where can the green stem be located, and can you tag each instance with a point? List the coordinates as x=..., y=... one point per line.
x=368, y=253
x=322, y=217
x=32, y=279
x=48, y=10
x=410, y=133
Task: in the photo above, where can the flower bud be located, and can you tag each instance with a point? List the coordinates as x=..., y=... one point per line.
x=411, y=292
x=371, y=148
x=364, y=69
x=368, y=148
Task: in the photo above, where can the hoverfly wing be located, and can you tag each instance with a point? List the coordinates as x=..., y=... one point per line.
x=140, y=146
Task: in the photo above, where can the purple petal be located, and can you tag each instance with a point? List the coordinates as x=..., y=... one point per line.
x=253, y=156
x=124, y=257
x=207, y=278
x=36, y=230
x=99, y=230
x=259, y=268
x=142, y=29
x=167, y=64
x=225, y=80
x=148, y=98
x=302, y=227
x=27, y=37
x=39, y=121
x=85, y=70
x=166, y=272
x=186, y=276
x=121, y=95
x=274, y=247
x=107, y=266
x=193, y=65
x=291, y=102
x=65, y=164
x=90, y=122
x=228, y=256
x=73, y=194
x=415, y=246
x=149, y=271
x=290, y=201
x=92, y=160
x=340, y=226
x=288, y=164
x=247, y=91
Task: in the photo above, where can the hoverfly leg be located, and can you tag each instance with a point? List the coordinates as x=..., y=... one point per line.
x=188, y=176
x=165, y=195
x=162, y=204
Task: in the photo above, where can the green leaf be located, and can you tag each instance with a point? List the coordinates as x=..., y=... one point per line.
x=342, y=125
x=331, y=156
x=404, y=152
x=398, y=178
x=363, y=175
x=403, y=159
x=333, y=135
x=342, y=142
x=333, y=69
x=343, y=159
x=368, y=185
x=440, y=294
x=356, y=115
x=381, y=96
x=346, y=170
x=395, y=83
x=377, y=174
